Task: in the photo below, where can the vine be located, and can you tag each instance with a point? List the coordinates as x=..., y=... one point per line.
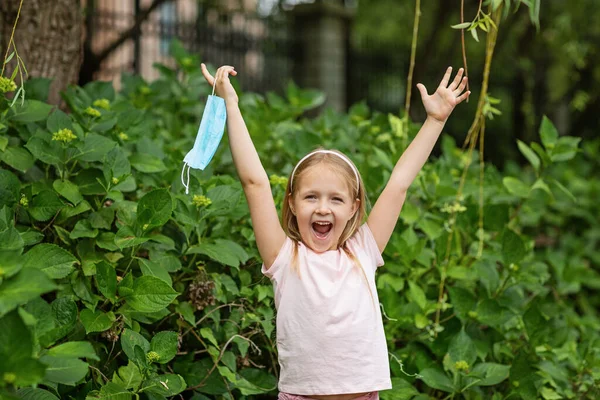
x=489, y=23
x=9, y=84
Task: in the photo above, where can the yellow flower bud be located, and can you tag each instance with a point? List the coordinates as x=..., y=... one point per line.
x=91, y=111
x=152, y=356
x=461, y=365
x=64, y=135
x=102, y=103
x=200, y=201
x=7, y=85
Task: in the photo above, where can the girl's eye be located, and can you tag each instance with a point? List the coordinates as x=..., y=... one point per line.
x=338, y=199
x=311, y=196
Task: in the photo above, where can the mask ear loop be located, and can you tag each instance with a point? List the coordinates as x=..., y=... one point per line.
x=214, y=84
x=187, y=186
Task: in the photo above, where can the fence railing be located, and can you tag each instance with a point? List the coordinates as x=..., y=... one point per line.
x=264, y=48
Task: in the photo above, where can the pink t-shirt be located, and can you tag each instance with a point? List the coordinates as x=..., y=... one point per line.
x=330, y=336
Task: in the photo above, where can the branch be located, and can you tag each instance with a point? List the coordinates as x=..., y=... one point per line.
x=131, y=32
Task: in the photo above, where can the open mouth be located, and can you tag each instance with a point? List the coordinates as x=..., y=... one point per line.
x=322, y=229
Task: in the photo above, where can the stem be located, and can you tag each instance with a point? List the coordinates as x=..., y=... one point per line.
x=12, y=35
x=413, y=53
x=477, y=128
x=462, y=40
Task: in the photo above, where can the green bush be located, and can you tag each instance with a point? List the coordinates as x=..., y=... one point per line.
x=115, y=284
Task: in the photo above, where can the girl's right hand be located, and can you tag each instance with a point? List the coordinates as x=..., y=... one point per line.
x=223, y=87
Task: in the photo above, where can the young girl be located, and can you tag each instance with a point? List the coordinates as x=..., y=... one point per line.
x=322, y=258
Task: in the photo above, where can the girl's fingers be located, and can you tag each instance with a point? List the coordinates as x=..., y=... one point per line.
x=209, y=78
x=446, y=78
x=462, y=97
x=462, y=86
x=456, y=80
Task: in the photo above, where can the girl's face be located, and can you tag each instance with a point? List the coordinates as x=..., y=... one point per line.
x=322, y=205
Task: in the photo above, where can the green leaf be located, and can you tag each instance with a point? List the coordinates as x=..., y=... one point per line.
x=463, y=301
x=83, y=229
x=436, y=379
x=165, y=344
x=153, y=269
x=103, y=218
x=565, y=149
x=63, y=320
x=45, y=205
x=48, y=153
x=18, y=158
x=130, y=339
x=165, y=385
x=516, y=186
x=116, y=163
x=96, y=321
x=58, y=120
x=513, y=247
x=16, y=341
x=55, y=261
x=490, y=373
x=11, y=240
x=563, y=189
x=529, y=155
x=30, y=111
x=68, y=190
x=150, y=294
x=129, y=376
x=30, y=393
x=95, y=147
x=474, y=34
x=259, y=378
x=541, y=185
x=223, y=251
x=207, y=334
x=147, y=163
x=462, y=348
x=110, y=391
x=402, y=390
x=16, y=348
x=87, y=180
x=464, y=25
x=28, y=284
x=187, y=312
x=416, y=294
x=154, y=209
x=74, y=350
x=10, y=187
x=541, y=153
x=548, y=133
x=67, y=371
x=125, y=237
x=106, y=280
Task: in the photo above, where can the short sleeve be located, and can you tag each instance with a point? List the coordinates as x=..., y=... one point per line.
x=283, y=258
x=365, y=241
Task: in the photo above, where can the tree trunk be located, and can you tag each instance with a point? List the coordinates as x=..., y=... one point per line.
x=48, y=39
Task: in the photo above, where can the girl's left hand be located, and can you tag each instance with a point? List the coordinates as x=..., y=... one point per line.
x=441, y=103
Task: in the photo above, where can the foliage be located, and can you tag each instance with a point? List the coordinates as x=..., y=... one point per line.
x=114, y=284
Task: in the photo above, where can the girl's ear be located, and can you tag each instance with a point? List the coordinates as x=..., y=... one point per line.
x=291, y=204
x=355, y=207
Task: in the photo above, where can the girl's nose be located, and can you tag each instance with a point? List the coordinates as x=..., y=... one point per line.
x=323, y=208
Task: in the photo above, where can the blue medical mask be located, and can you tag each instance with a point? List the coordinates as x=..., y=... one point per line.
x=209, y=136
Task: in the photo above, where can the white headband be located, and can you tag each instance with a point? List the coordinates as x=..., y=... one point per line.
x=346, y=159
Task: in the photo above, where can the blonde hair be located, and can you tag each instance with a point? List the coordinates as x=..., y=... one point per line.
x=349, y=173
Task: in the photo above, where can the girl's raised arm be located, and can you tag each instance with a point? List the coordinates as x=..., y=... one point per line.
x=267, y=228
x=439, y=106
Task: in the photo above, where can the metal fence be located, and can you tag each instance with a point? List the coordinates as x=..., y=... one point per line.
x=263, y=47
